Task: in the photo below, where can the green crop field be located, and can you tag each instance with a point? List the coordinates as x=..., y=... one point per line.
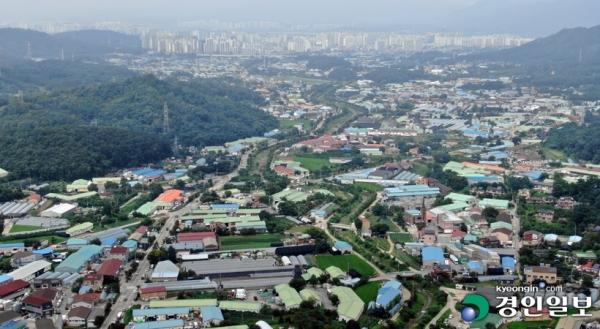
x=23, y=228
x=369, y=186
x=401, y=237
x=529, y=324
x=368, y=292
x=288, y=124
x=345, y=261
x=249, y=241
x=314, y=164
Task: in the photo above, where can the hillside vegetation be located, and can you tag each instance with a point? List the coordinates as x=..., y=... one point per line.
x=580, y=142
x=200, y=113
x=73, y=152
x=30, y=76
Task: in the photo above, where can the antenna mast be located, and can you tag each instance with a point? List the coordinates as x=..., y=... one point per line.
x=166, y=119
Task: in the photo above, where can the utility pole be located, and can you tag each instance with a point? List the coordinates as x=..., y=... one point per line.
x=165, y=119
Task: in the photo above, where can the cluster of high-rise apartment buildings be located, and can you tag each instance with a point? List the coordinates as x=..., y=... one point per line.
x=215, y=37
x=242, y=43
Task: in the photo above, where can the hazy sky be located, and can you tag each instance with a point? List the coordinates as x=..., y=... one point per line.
x=527, y=17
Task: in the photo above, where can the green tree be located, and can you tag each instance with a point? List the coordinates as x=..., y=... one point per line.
x=298, y=283
x=358, y=224
x=313, y=280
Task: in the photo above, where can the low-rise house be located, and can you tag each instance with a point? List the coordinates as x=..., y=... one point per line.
x=532, y=238
x=545, y=215
x=540, y=273
x=94, y=281
x=566, y=202
x=121, y=253
x=153, y=293
x=78, y=316
x=38, y=305
x=22, y=258
x=503, y=234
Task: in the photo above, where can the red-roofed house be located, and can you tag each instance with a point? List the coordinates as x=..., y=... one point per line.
x=93, y=280
x=111, y=267
x=533, y=314
x=532, y=238
x=38, y=305
x=14, y=289
x=88, y=300
x=153, y=293
x=170, y=196
x=142, y=229
x=196, y=236
x=457, y=235
x=121, y=253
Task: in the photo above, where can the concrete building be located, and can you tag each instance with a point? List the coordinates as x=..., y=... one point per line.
x=80, y=229
x=211, y=316
x=12, y=248
x=350, y=306
x=22, y=258
x=111, y=267
x=343, y=247
x=153, y=293
x=14, y=289
x=160, y=314
x=77, y=317
x=38, y=306
x=120, y=253
x=93, y=280
x=543, y=273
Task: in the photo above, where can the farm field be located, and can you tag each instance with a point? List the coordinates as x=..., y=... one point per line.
x=345, y=261
x=314, y=164
x=368, y=292
x=369, y=186
x=287, y=124
x=249, y=242
x=23, y=228
x=401, y=237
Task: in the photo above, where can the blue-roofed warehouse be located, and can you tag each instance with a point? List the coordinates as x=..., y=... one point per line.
x=474, y=266
x=409, y=191
x=508, y=263
x=386, y=295
x=142, y=171
x=432, y=256
x=76, y=261
x=131, y=244
x=343, y=247
x=211, y=315
x=44, y=252
x=109, y=243
x=167, y=324
x=230, y=207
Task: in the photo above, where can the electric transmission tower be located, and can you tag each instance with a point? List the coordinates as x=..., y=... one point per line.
x=166, y=119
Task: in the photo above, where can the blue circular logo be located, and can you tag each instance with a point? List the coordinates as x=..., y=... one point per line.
x=542, y=285
x=468, y=314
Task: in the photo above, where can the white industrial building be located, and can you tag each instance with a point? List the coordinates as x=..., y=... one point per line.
x=59, y=210
x=30, y=271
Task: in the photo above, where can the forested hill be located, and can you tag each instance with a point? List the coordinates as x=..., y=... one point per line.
x=562, y=47
x=201, y=113
x=580, y=142
x=30, y=76
x=82, y=44
x=74, y=152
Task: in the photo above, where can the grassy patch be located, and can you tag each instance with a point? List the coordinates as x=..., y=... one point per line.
x=129, y=314
x=314, y=164
x=249, y=242
x=529, y=324
x=380, y=243
x=301, y=229
x=552, y=154
x=403, y=257
x=345, y=261
x=444, y=316
x=369, y=186
x=24, y=228
x=401, y=237
x=368, y=292
x=288, y=124
x=57, y=239
x=419, y=169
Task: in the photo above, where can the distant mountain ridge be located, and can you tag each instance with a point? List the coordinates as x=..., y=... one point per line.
x=20, y=43
x=563, y=46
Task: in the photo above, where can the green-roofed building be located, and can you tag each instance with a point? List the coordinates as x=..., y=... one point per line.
x=495, y=319
x=209, y=212
x=309, y=295
x=97, y=180
x=80, y=229
x=335, y=272
x=71, y=197
x=193, y=304
x=496, y=225
x=315, y=271
x=248, y=212
x=289, y=296
x=149, y=207
x=215, y=149
x=457, y=197
x=351, y=306
x=80, y=185
x=239, y=306
x=234, y=200
x=456, y=206
x=494, y=203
